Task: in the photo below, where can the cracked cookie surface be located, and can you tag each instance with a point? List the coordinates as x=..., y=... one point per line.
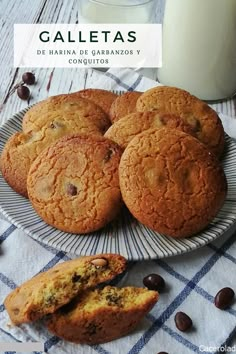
x=74, y=184
x=102, y=315
x=171, y=182
x=124, y=105
x=203, y=119
x=48, y=291
x=126, y=128
x=65, y=109
x=102, y=98
x=22, y=148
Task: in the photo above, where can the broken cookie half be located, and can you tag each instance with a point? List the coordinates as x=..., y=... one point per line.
x=74, y=308
x=48, y=291
x=102, y=315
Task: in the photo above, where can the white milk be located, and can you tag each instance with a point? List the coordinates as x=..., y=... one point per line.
x=91, y=12
x=199, y=47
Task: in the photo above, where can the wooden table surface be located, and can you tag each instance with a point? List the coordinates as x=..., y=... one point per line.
x=61, y=80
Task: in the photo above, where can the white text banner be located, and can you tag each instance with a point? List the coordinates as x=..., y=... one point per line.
x=88, y=45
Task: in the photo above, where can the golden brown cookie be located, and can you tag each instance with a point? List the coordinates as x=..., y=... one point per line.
x=124, y=105
x=74, y=186
x=49, y=290
x=15, y=161
x=64, y=109
x=23, y=148
x=102, y=315
x=198, y=114
x=102, y=98
x=126, y=128
x=171, y=182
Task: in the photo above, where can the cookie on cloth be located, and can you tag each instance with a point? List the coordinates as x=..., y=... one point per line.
x=171, y=182
x=102, y=98
x=202, y=118
x=64, y=109
x=22, y=148
x=124, y=105
x=102, y=315
x=48, y=291
x=126, y=128
x=74, y=184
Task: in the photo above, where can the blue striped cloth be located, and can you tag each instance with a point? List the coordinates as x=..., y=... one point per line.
x=192, y=281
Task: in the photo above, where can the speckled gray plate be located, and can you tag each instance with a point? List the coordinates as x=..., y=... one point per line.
x=126, y=236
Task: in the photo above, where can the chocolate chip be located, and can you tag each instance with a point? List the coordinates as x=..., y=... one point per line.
x=197, y=128
x=50, y=300
x=92, y=329
x=76, y=278
x=16, y=311
x=182, y=321
x=84, y=279
x=154, y=282
x=54, y=125
x=113, y=299
x=108, y=155
x=224, y=298
x=162, y=353
x=71, y=189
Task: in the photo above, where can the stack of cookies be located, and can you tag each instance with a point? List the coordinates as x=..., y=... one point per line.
x=81, y=155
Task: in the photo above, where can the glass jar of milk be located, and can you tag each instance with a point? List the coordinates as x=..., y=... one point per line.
x=199, y=47
x=116, y=11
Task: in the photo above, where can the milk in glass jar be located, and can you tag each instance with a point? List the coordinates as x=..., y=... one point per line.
x=116, y=11
x=199, y=47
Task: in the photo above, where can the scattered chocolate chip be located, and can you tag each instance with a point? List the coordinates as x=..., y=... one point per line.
x=71, y=189
x=28, y=78
x=76, y=278
x=162, y=353
x=154, y=282
x=182, y=321
x=224, y=298
x=23, y=92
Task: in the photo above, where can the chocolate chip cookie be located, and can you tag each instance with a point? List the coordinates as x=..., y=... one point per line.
x=202, y=118
x=102, y=315
x=102, y=98
x=23, y=148
x=126, y=128
x=123, y=105
x=64, y=109
x=171, y=182
x=74, y=185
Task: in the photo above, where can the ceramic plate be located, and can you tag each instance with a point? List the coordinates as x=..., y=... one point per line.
x=126, y=236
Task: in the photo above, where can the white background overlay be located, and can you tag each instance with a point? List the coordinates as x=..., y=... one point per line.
x=72, y=47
